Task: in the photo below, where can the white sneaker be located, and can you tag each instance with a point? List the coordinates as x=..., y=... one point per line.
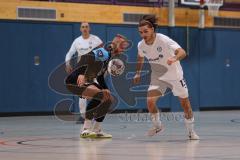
x=154, y=130
x=101, y=134
x=193, y=136
x=88, y=134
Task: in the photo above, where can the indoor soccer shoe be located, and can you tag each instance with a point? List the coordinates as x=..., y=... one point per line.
x=88, y=134
x=101, y=134
x=193, y=136
x=154, y=130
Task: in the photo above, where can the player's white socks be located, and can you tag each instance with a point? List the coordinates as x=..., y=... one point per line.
x=157, y=124
x=87, y=124
x=155, y=119
x=189, y=123
x=97, y=127
x=82, y=105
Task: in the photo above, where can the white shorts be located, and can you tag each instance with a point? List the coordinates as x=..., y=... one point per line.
x=178, y=87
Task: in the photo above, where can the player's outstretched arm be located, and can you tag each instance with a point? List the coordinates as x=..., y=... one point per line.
x=179, y=55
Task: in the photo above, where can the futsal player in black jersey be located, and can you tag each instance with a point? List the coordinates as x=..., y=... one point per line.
x=81, y=82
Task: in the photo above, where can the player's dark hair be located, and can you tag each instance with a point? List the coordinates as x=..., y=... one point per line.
x=149, y=20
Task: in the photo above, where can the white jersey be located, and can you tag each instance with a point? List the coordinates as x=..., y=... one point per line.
x=158, y=53
x=83, y=46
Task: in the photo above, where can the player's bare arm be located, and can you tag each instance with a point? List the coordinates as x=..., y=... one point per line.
x=179, y=55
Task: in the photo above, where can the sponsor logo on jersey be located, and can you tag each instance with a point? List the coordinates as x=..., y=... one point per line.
x=153, y=59
x=157, y=58
x=99, y=53
x=83, y=49
x=160, y=56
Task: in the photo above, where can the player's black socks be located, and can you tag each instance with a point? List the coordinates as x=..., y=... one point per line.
x=102, y=110
x=97, y=109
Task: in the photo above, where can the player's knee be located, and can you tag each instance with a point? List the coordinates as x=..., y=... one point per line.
x=98, y=96
x=112, y=99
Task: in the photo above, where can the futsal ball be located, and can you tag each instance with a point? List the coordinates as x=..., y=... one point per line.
x=116, y=67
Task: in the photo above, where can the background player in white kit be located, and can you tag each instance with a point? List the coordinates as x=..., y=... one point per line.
x=163, y=55
x=82, y=45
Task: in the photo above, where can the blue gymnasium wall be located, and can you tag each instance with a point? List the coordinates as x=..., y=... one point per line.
x=24, y=86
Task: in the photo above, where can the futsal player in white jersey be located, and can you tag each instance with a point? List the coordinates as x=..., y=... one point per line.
x=82, y=45
x=164, y=56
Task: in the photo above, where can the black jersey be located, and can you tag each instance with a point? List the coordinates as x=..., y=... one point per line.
x=91, y=65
